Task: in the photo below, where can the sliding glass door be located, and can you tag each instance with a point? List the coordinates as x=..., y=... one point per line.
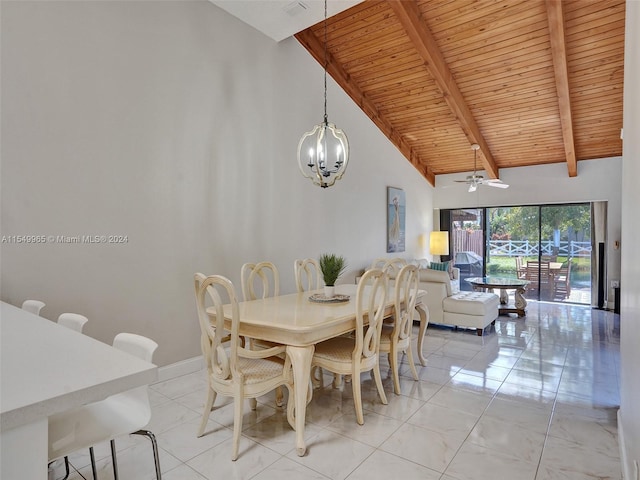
x=467, y=243
x=548, y=245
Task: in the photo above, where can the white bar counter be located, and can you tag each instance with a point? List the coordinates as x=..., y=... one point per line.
x=45, y=369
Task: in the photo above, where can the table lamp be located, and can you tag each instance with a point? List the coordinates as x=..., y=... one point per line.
x=439, y=243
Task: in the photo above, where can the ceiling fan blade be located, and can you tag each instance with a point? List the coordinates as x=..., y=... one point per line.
x=498, y=183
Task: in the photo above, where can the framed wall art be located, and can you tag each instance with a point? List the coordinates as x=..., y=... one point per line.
x=396, y=208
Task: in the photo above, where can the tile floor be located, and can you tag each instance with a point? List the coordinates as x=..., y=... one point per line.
x=535, y=398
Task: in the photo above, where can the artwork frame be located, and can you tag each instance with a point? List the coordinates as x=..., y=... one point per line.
x=396, y=214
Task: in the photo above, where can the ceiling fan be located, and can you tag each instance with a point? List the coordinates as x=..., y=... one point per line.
x=474, y=180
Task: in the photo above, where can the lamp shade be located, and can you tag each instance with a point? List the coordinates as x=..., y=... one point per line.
x=439, y=243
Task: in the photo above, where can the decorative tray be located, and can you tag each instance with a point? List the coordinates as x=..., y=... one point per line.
x=320, y=298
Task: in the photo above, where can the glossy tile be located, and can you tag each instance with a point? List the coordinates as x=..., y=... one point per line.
x=536, y=398
x=428, y=448
x=384, y=465
x=475, y=462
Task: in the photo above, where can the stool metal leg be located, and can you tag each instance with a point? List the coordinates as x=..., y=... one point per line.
x=154, y=445
x=93, y=464
x=114, y=460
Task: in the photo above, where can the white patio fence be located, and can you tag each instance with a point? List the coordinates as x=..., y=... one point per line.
x=525, y=248
x=471, y=241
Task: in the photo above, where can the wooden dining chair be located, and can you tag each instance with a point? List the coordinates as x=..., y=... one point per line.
x=307, y=274
x=236, y=371
x=562, y=282
x=359, y=353
x=391, y=266
x=539, y=276
x=259, y=280
x=521, y=268
x=396, y=338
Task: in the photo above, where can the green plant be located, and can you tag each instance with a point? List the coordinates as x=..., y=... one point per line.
x=332, y=267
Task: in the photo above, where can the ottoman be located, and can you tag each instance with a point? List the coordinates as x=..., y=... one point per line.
x=471, y=310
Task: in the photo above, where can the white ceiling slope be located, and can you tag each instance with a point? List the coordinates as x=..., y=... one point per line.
x=279, y=19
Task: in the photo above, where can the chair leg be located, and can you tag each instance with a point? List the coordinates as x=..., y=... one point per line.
x=154, y=446
x=238, y=403
x=393, y=361
x=66, y=468
x=378, y=378
x=411, y=362
x=316, y=377
x=211, y=397
x=114, y=459
x=357, y=397
x=94, y=471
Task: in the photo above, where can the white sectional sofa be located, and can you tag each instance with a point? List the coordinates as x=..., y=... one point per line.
x=450, y=306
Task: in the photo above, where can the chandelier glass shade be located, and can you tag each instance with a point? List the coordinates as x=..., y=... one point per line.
x=323, y=153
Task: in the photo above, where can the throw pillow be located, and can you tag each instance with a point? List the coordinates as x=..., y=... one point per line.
x=443, y=267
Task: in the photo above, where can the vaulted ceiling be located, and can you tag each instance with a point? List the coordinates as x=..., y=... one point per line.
x=531, y=81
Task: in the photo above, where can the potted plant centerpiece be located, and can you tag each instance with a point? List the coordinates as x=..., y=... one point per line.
x=332, y=267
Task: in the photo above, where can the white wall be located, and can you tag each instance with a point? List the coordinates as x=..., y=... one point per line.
x=176, y=125
x=546, y=184
x=629, y=414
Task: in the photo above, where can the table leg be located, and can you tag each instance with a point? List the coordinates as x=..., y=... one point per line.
x=301, y=364
x=521, y=302
x=504, y=296
x=423, y=311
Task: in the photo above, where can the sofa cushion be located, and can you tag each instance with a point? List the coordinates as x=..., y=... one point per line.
x=472, y=303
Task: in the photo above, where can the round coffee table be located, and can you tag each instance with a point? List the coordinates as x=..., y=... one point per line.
x=489, y=283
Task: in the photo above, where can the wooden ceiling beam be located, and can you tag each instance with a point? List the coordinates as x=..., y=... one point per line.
x=342, y=78
x=559, y=55
x=425, y=44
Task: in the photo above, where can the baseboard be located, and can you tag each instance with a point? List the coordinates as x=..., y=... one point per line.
x=183, y=367
x=628, y=472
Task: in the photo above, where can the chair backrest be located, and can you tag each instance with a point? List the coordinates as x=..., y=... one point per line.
x=391, y=266
x=406, y=293
x=207, y=330
x=259, y=280
x=73, y=321
x=565, y=269
x=371, y=297
x=307, y=274
x=33, y=306
x=538, y=271
x=137, y=345
x=143, y=348
x=222, y=363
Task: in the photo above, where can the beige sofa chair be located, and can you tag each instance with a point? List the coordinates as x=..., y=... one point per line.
x=438, y=286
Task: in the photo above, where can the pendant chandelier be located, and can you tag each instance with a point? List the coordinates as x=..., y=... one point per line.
x=323, y=153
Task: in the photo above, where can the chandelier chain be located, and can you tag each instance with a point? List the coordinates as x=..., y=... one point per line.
x=326, y=63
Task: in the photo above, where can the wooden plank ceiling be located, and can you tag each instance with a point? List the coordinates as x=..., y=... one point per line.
x=531, y=81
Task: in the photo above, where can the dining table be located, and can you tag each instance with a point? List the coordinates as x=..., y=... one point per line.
x=299, y=323
x=45, y=369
